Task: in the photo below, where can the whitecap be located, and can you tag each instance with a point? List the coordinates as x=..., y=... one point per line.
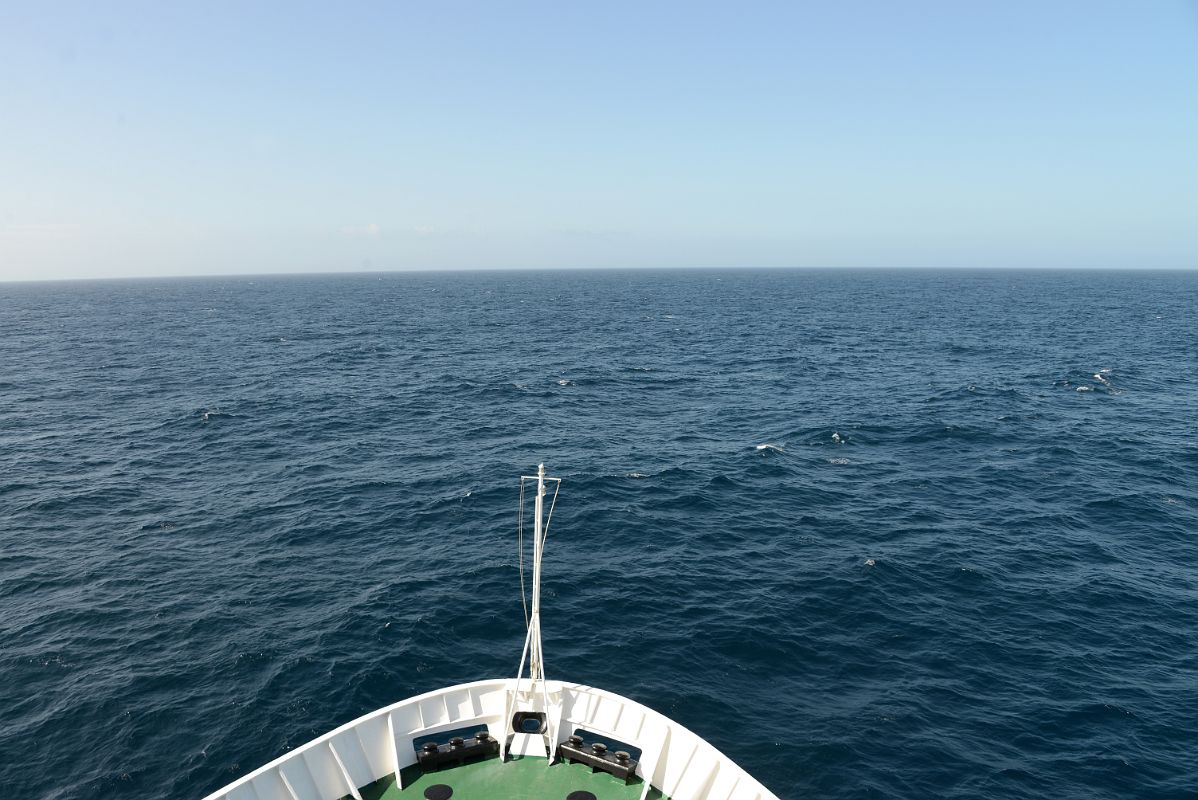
x=869, y=562
x=1085, y=388
x=565, y=382
x=777, y=448
x=839, y=461
x=636, y=475
x=837, y=438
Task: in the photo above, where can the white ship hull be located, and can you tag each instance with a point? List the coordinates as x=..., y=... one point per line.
x=674, y=760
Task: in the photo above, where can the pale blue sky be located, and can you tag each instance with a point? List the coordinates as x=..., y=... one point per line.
x=170, y=138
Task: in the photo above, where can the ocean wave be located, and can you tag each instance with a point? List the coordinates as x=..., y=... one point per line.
x=339, y=532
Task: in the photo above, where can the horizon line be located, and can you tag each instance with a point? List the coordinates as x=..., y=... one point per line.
x=467, y=270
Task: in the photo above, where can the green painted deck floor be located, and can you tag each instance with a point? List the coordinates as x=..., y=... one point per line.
x=517, y=779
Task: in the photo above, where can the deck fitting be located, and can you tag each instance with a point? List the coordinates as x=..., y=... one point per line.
x=619, y=763
x=432, y=755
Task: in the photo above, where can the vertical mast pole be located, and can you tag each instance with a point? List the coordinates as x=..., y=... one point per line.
x=535, y=668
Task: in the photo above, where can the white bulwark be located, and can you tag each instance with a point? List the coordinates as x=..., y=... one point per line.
x=673, y=761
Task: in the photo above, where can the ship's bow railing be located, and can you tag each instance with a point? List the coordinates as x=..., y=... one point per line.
x=677, y=762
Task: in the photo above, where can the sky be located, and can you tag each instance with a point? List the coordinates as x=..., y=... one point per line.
x=145, y=139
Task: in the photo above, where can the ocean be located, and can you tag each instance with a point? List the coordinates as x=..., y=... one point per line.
x=873, y=534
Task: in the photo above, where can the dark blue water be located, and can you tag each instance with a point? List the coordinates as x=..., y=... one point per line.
x=235, y=513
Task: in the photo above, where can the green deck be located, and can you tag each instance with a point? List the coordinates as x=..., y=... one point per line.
x=517, y=779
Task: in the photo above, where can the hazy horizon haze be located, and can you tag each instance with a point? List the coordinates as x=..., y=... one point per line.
x=146, y=140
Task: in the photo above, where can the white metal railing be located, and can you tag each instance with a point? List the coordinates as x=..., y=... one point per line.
x=673, y=759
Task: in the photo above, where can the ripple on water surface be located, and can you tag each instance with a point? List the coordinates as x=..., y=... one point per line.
x=873, y=534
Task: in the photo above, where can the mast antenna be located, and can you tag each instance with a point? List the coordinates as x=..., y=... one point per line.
x=540, y=527
x=534, y=699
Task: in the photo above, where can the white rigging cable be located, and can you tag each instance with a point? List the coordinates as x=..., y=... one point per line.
x=520, y=551
x=523, y=589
